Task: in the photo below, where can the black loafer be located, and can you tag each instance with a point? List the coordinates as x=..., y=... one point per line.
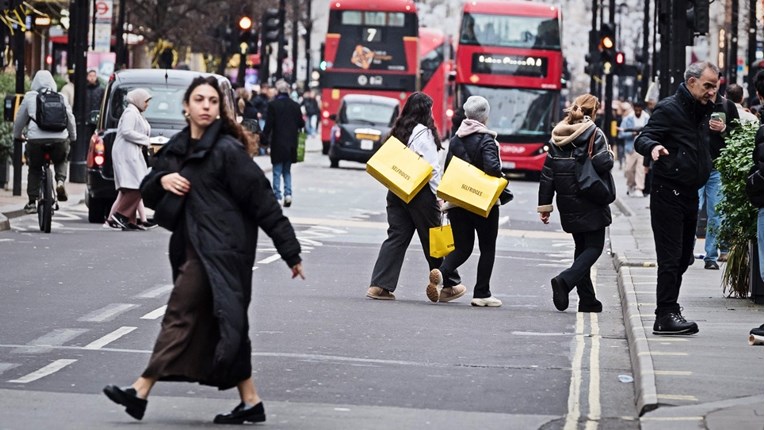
x=240, y=415
x=134, y=405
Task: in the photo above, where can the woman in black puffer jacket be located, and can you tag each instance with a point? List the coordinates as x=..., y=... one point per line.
x=585, y=220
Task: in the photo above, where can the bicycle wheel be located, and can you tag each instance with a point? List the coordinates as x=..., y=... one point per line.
x=45, y=206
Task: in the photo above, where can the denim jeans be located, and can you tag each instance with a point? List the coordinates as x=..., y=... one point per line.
x=712, y=193
x=759, y=237
x=279, y=170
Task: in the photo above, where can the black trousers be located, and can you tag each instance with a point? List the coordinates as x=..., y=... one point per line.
x=404, y=219
x=673, y=220
x=465, y=226
x=587, y=251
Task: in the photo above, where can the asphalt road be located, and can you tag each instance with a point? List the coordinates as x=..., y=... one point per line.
x=81, y=308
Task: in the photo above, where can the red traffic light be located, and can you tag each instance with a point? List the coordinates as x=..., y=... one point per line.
x=619, y=58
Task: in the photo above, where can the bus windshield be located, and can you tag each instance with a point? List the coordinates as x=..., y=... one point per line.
x=517, y=111
x=510, y=31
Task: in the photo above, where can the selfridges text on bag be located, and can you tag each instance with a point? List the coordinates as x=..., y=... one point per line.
x=400, y=169
x=469, y=187
x=50, y=112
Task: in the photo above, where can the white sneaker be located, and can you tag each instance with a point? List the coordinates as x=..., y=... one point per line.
x=287, y=201
x=489, y=302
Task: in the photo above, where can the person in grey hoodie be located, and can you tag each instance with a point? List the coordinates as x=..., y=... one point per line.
x=475, y=144
x=37, y=138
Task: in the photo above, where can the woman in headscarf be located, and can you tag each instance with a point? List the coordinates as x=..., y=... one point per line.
x=129, y=163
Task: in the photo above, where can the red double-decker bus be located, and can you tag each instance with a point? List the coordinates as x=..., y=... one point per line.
x=371, y=48
x=510, y=53
x=436, y=62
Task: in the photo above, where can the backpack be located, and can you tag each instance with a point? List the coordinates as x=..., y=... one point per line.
x=51, y=111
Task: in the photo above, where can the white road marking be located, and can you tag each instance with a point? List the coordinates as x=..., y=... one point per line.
x=676, y=397
x=46, y=342
x=156, y=313
x=155, y=292
x=533, y=333
x=270, y=259
x=109, y=338
x=594, y=391
x=671, y=418
x=572, y=417
x=673, y=372
x=43, y=372
x=107, y=313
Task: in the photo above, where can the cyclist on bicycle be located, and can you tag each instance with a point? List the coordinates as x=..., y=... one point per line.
x=39, y=135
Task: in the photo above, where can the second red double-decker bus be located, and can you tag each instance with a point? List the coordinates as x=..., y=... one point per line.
x=371, y=48
x=510, y=53
x=436, y=61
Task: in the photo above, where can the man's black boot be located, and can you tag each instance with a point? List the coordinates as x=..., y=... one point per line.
x=673, y=323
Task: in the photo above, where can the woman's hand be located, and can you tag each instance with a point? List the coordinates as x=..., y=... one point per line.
x=545, y=217
x=297, y=270
x=176, y=184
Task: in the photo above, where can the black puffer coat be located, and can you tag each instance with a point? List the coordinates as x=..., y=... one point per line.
x=577, y=215
x=681, y=124
x=478, y=149
x=229, y=199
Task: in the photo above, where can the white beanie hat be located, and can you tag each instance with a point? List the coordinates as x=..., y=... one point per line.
x=476, y=108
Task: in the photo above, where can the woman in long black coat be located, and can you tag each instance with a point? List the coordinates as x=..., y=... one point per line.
x=204, y=335
x=585, y=220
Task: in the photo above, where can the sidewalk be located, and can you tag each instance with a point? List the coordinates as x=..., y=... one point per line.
x=711, y=380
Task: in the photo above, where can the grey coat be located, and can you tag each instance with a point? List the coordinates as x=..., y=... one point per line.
x=28, y=110
x=133, y=133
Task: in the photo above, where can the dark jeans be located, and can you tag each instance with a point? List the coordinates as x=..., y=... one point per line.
x=465, y=226
x=673, y=220
x=59, y=152
x=588, y=248
x=404, y=219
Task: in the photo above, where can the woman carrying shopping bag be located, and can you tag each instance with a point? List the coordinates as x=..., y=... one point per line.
x=415, y=127
x=585, y=220
x=475, y=144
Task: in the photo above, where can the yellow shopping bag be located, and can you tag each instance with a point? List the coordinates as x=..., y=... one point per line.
x=400, y=169
x=441, y=241
x=469, y=187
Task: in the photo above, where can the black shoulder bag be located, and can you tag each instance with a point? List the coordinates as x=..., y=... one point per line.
x=597, y=188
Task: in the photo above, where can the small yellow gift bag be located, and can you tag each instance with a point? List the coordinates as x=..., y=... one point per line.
x=441, y=240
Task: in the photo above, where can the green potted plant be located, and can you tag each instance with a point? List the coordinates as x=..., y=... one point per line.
x=739, y=221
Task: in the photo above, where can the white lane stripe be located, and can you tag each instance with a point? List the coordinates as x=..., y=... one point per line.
x=156, y=313
x=7, y=366
x=155, y=292
x=43, y=372
x=48, y=341
x=270, y=259
x=107, y=313
x=109, y=338
x=572, y=417
x=594, y=391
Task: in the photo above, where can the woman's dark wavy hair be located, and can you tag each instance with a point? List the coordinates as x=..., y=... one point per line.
x=229, y=125
x=416, y=111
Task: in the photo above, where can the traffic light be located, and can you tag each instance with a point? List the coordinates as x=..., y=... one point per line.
x=607, y=47
x=619, y=63
x=592, y=67
x=272, y=24
x=248, y=37
x=697, y=13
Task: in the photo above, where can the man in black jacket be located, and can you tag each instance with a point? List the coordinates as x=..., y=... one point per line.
x=677, y=139
x=282, y=137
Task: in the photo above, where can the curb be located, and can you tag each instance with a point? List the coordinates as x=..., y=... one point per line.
x=640, y=352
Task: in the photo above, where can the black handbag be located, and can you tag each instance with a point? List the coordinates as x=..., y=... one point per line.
x=597, y=188
x=169, y=210
x=506, y=196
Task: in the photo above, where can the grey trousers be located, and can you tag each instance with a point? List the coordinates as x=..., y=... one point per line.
x=34, y=151
x=404, y=219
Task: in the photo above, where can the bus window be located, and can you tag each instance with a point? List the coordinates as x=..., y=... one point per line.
x=510, y=31
x=351, y=17
x=396, y=19
x=374, y=18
